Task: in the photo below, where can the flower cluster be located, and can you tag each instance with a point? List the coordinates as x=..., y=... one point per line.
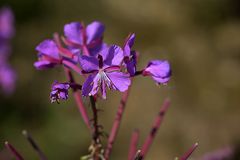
x=7, y=74
x=102, y=65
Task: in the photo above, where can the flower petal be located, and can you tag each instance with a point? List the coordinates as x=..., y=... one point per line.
x=6, y=23
x=96, y=49
x=112, y=55
x=90, y=86
x=43, y=65
x=120, y=80
x=131, y=63
x=48, y=47
x=94, y=31
x=158, y=68
x=88, y=64
x=161, y=80
x=73, y=31
x=128, y=44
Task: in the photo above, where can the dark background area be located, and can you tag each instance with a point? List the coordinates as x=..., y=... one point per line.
x=200, y=38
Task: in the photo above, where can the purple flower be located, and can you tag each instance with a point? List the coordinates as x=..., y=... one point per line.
x=159, y=70
x=104, y=72
x=7, y=78
x=48, y=55
x=87, y=39
x=6, y=23
x=129, y=55
x=59, y=92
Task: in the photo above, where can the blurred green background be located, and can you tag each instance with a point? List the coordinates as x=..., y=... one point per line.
x=200, y=38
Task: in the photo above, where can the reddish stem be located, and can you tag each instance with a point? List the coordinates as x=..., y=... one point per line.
x=189, y=152
x=157, y=123
x=116, y=123
x=34, y=145
x=133, y=144
x=72, y=66
x=13, y=151
x=85, y=50
x=78, y=100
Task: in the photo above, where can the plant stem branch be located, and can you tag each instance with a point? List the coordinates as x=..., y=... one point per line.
x=78, y=100
x=133, y=144
x=189, y=152
x=157, y=123
x=34, y=145
x=116, y=123
x=13, y=151
x=95, y=120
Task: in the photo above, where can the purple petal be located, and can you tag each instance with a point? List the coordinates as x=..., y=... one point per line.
x=95, y=50
x=131, y=64
x=57, y=85
x=88, y=64
x=120, y=80
x=94, y=31
x=63, y=95
x=161, y=80
x=43, y=65
x=73, y=31
x=88, y=85
x=158, y=68
x=6, y=23
x=7, y=79
x=112, y=55
x=128, y=44
x=48, y=47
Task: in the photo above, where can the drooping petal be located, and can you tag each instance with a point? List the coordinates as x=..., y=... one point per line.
x=48, y=47
x=131, y=63
x=88, y=63
x=128, y=44
x=73, y=32
x=59, y=91
x=159, y=70
x=88, y=85
x=161, y=80
x=121, y=81
x=43, y=65
x=94, y=31
x=112, y=55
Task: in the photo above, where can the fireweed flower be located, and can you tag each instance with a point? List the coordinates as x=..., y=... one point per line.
x=6, y=23
x=159, y=71
x=87, y=40
x=7, y=74
x=59, y=92
x=104, y=72
x=129, y=55
x=7, y=78
x=48, y=55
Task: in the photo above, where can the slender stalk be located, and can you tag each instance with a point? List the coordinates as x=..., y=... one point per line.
x=72, y=66
x=13, y=151
x=133, y=144
x=96, y=132
x=96, y=146
x=78, y=100
x=189, y=152
x=157, y=123
x=138, y=155
x=34, y=145
x=116, y=123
